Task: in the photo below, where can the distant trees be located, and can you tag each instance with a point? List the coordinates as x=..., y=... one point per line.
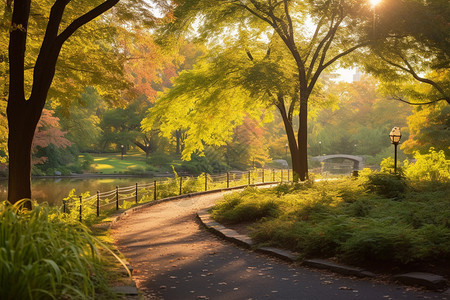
x=311, y=52
x=359, y=122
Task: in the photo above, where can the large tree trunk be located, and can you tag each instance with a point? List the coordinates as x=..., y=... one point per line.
x=22, y=123
x=23, y=115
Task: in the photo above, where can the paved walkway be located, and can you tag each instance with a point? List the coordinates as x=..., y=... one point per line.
x=175, y=258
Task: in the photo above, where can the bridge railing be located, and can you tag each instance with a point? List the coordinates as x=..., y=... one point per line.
x=86, y=206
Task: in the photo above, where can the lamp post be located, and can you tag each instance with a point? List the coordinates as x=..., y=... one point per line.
x=121, y=146
x=395, y=137
x=320, y=148
x=286, y=147
x=146, y=150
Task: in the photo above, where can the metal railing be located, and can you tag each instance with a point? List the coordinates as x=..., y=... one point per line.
x=123, y=197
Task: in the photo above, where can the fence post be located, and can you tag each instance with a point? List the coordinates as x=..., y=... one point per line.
x=154, y=190
x=206, y=182
x=248, y=177
x=181, y=185
x=136, y=192
x=228, y=179
x=98, y=203
x=117, y=197
x=81, y=208
x=262, y=175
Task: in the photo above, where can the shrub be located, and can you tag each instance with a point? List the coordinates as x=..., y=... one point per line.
x=386, y=185
x=431, y=167
x=379, y=240
x=233, y=209
x=344, y=219
x=44, y=257
x=87, y=161
x=159, y=159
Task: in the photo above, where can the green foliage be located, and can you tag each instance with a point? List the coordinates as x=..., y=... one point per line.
x=87, y=161
x=197, y=165
x=432, y=166
x=202, y=164
x=344, y=219
x=429, y=128
x=160, y=159
x=255, y=207
x=386, y=185
x=43, y=256
x=54, y=159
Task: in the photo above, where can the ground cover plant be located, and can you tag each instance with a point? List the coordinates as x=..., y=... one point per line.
x=44, y=255
x=377, y=218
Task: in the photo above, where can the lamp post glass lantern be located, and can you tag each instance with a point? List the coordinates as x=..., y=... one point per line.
x=395, y=137
x=121, y=146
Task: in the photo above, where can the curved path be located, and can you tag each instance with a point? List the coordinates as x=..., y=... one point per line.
x=175, y=258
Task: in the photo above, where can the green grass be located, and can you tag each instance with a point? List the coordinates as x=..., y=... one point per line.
x=46, y=256
x=111, y=163
x=347, y=219
x=133, y=162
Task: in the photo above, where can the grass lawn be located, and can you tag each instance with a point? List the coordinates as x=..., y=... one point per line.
x=133, y=162
x=111, y=163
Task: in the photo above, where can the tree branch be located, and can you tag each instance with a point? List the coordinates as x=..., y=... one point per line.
x=288, y=17
x=409, y=69
x=253, y=12
x=319, y=48
x=86, y=18
x=418, y=103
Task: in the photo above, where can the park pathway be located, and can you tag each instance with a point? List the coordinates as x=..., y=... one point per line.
x=174, y=258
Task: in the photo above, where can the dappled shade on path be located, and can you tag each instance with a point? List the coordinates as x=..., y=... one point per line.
x=174, y=258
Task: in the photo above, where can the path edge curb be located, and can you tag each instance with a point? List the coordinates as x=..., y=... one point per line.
x=426, y=280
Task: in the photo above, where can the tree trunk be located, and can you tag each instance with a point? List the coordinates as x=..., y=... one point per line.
x=292, y=142
x=303, y=139
x=22, y=122
x=178, y=141
x=23, y=115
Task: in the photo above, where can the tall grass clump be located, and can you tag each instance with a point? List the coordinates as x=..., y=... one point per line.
x=44, y=257
x=254, y=206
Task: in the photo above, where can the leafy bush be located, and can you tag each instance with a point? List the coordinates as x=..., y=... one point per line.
x=87, y=161
x=197, y=165
x=44, y=257
x=386, y=185
x=432, y=167
x=159, y=159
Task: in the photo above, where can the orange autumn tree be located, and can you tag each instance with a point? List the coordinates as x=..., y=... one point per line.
x=48, y=132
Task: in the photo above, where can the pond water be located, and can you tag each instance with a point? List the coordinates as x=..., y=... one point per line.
x=53, y=190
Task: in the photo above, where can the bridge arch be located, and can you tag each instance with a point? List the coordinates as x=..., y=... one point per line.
x=358, y=161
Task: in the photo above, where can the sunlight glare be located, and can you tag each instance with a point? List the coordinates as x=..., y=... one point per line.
x=374, y=2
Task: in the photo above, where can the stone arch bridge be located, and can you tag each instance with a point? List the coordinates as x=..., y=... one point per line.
x=358, y=161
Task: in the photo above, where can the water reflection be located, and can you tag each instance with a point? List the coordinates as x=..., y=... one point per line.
x=53, y=190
